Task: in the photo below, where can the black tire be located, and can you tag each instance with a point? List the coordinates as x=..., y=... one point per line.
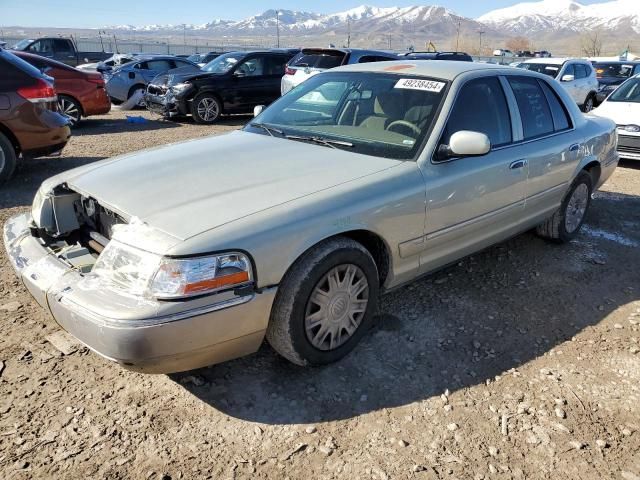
x=589, y=103
x=8, y=159
x=286, y=331
x=555, y=228
x=70, y=107
x=202, y=116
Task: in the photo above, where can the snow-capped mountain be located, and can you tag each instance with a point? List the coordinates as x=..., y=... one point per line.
x=566, y=16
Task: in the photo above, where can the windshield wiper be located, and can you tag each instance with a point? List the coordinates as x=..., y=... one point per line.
x=267, y=128
x=322, y=141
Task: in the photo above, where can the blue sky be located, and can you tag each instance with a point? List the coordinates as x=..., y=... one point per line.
x=92, y=13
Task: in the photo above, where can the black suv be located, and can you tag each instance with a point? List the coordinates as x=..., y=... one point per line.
x=456, y=56
x=235, y=82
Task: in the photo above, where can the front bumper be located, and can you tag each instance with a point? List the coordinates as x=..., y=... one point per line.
x=629, y=146
x=140, y=334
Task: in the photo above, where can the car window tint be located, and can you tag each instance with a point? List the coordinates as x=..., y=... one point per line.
x=559, y=113
x=319, y=60
x=275, y=64
x=481, y=106
x=159, y=65
x=569, y=70
x=581, y=71
x=141, y=66
x=533, y=106
x=252, y=67
x=373, y=58
x=61, y=45
x=42, y=46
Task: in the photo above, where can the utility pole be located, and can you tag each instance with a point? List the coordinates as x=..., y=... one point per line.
x=184, y=34
x=481, y=32
x=458, y=37
x=389, y=41
x=278, y=28
x=348, y=32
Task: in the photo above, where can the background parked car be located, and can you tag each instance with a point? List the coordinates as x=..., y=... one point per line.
x=456, y=56
x=611, y=74
x=232, y=83
x=30, y=124
x=503, y=52
x=61, y=49
x=80, y=94
x=542, y=54
x=623, y=107
x=124, y=81
x=524, y=53
x=203, y=58
x=577, y=76
x=110, y=63
x=311, y=61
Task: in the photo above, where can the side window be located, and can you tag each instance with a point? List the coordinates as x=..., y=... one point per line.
x=141, y=66
x=274, y=65
x=533, y=106
x=559, y=113
x=61, y=45
x=481, y=106
x=569, y=70
x=373, y=58
x=253, y=67
x=42, y=46
x=581, y=71
x=159, y=65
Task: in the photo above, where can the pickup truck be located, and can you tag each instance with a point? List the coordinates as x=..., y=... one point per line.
x=62, y=49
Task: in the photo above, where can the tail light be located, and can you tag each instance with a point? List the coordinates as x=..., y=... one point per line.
x=289, y=71
x=41, y=92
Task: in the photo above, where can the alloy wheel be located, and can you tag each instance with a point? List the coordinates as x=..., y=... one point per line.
x=70, y=109
x=208, y=109
x=576, y=208
x=588, y=105
x=336, y=307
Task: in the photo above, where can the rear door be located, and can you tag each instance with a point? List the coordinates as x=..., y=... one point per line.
x=583, y=81
x=550, y=141
x=473, y=202
x=249, y=86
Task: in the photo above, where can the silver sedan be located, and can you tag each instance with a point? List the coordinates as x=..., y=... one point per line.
x=356, y=182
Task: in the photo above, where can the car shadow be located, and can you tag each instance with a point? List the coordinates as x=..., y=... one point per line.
x=106, y=125
x=492, y=312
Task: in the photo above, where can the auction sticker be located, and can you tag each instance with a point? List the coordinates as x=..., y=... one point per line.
x=417, y=84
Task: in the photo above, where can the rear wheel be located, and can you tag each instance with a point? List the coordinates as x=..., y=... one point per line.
x=325, y=304
x=589, y=104
x=206, y=108
x=7, y=159
x=566, y=222
x=70, y=107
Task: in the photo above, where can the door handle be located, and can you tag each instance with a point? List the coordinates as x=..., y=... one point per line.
x=518, y=164
x=574, y=148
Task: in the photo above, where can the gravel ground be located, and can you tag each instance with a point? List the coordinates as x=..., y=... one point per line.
x=520, y=362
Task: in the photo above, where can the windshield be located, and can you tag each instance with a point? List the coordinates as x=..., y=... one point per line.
x=629, y=91
x=223, y=63
x=613, y=70
x=546, y=68
x=22, y=44
x=370, y=113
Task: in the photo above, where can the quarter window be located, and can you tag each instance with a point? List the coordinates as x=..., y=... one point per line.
x=481, y=107
x=581, y=71
x=532, y=104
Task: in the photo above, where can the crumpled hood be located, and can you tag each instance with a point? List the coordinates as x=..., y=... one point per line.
x=188, y=188
x=623, y=113
x=176, y=75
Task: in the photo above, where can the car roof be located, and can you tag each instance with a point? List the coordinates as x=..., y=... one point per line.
x=555, y=60
x=444, y=69
x=616, y=62
x=345, y=50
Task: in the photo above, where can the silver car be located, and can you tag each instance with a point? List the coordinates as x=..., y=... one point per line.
x=356, y=182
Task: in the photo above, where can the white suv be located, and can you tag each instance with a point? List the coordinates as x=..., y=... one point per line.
x=577, y=76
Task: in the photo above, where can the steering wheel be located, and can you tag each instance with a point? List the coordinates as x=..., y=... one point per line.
x=404, y=123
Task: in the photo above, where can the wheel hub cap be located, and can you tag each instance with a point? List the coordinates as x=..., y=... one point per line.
x=336, y=307
x=576, y=208
x=207, y=109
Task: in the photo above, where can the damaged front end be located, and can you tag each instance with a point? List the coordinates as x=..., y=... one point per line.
x=163, y=95
x=108, y=280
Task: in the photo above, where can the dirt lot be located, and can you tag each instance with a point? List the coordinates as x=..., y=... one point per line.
x=520, y=362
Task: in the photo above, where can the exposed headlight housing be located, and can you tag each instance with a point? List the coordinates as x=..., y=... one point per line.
x=180, y=88
x=141, y=273
x=630, y=128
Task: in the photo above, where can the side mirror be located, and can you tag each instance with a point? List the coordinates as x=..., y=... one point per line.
x=568, y=78
x=257, y=110
x=465, y=144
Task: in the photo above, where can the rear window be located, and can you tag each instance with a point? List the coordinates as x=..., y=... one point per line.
x=546, y=68
x=318, y=60
x=15, y=72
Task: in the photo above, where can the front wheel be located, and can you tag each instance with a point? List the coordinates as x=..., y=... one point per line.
x=7, y=159
x=566, y=222
x=325, y=304
x=70, y=108
x=206, y=108
x=589, y=104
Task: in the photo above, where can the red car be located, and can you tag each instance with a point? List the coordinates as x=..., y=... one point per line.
x=80, y=94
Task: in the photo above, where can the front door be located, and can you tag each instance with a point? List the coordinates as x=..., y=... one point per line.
x=475, y=201
x=248, y=85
